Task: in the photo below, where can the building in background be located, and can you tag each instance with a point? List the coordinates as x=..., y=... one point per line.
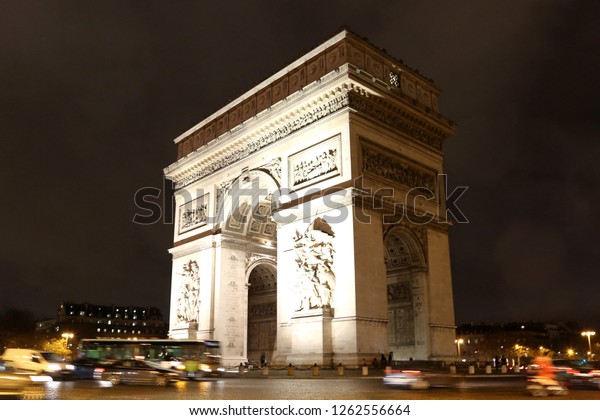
x=483, y=342
x=87, y=320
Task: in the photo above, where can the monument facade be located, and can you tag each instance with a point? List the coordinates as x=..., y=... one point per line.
x=310, y=221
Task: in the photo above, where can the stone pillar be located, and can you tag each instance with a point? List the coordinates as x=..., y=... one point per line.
x=231, y=300
x=311, y=337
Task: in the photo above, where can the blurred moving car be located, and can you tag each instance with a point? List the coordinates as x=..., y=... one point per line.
x=544, y=378
x=39, y=362
x=594, y=368
x=139, y=372
x=577, y=374
x=23, y=385
x=422, y=374
x=88, y=368
x=413, y=379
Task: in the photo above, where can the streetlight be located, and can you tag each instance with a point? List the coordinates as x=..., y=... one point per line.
x=589, y=335
x=458, y=342
x=66, y=336
x=518, y=350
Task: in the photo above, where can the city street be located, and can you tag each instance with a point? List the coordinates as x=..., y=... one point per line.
x=257, y=388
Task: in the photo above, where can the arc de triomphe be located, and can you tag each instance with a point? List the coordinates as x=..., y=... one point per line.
x=310, y=223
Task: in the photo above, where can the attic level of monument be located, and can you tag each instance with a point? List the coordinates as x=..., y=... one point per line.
x=376, y=69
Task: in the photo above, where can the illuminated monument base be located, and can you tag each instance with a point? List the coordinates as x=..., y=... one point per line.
x=311, y=338
x=310, y=223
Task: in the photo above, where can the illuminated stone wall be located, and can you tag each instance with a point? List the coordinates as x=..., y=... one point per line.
x=327, y=175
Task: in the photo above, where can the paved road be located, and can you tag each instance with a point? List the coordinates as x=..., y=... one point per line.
x=278, y=388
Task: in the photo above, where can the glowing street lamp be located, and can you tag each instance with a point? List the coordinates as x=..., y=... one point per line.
x=66, y=336
x=518, y=350
x=458, y=342
x=589, y=335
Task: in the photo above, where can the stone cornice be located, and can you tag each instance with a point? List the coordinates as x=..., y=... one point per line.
x=344, y=49
x=199, y=244
x=429, y=130
x=208, y=161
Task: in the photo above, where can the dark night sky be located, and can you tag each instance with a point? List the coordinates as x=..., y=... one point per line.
x=93, y=93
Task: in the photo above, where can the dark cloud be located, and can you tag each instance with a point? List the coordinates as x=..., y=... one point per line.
x=93, y=94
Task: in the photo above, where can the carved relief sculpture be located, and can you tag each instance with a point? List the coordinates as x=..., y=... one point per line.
x=273, y=167
x=193, y=214
x=396, y=171
x=320, y=164
x=188, y=302
x=314, y=257
x=316, y=163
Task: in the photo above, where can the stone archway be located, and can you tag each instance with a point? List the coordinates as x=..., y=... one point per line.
x=247, y=229
x=306, y=136
x=406, y=271
x=262, y=311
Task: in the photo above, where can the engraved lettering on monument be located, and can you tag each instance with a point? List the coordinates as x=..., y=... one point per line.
x=314, y=257
x=188, y=302
x=233, y=300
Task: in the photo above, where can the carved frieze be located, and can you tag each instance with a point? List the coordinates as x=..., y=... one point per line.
x=398, y=119
x=316, y=164
x=193, y=214
x=247, y=148
x=349, y=95
x=396, y=170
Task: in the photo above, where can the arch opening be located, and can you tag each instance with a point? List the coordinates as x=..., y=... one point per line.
x=405, y=268
x=262, y=312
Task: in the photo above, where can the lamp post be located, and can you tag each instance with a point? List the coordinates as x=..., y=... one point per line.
x=66, y=336
x=458, y=342
x=518, y=350
x=589, y=335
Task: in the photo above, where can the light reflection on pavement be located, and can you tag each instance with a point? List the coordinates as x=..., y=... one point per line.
x=285, y=389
